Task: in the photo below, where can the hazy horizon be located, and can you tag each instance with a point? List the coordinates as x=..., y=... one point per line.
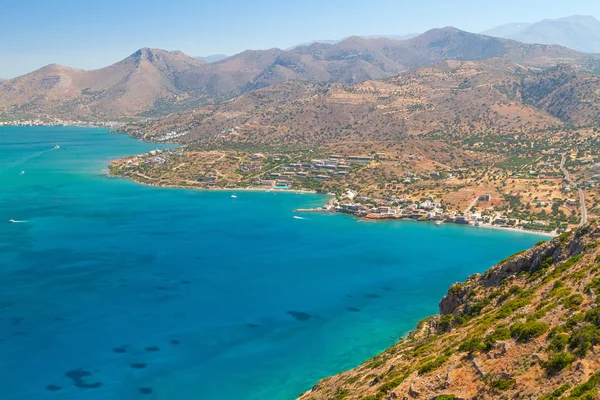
x=91, y=36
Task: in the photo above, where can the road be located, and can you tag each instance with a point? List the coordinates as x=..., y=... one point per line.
x=572, y=183
x=471, y=205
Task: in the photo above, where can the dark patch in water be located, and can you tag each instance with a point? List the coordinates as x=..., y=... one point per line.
x=59, y=319
x=252, y=325
x=373, y=296
x=160, y=288
x=349, y=295
x=299, y=315
x=16, y=320
x=138, y=365
x=152, y=348
x=175, y=341
x=353, y=309
x=186, y=282
x=387, y=288
x=53, y=388
x=119, y=350
x=21, y=333
x=77, y=376
x=145, y=390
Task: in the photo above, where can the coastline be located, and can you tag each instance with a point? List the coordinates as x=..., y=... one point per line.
x=324, y=210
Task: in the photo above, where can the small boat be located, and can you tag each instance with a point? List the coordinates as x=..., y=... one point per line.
x=233, y=196
x=11, y=221
x=438, y=223
x=22, y=173
x=57, y=147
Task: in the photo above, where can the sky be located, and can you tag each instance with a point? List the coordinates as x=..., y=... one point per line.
x=92, y=34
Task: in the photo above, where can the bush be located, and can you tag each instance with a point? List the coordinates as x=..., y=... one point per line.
x=584, y=338
x=510, y=307
x=433, y=365
x=584, y=388
x=522, y=332
x=500, y=333
x=472, y=346
x=559, y=342
x=557, y=393
x=593, y=316
x=503, y=384
x=573, y=302
x=445, y=322
x=558, y=362
x=445, y=397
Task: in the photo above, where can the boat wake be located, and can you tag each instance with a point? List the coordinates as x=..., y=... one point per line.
x=15, y=221
x=297, y=217
x=34, y=155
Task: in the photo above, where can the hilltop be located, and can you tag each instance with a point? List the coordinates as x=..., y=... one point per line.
x=153, y=82
x=526, y=328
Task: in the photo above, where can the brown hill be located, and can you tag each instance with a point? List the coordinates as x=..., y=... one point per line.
x=566, y=93
x=452, y=96
x=528, y=328
x=158, y=82
x=124, y=89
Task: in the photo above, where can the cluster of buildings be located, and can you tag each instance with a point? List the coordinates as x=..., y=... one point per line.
x=395, y=208
x=61, y=122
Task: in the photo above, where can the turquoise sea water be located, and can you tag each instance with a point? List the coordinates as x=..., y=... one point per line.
x=112, y=290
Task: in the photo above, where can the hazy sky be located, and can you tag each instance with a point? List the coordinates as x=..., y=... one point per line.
x=91, y=34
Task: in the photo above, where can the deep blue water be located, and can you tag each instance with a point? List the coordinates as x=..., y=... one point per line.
x=192, y=294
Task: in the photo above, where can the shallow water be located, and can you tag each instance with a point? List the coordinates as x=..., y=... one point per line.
x=112, y=290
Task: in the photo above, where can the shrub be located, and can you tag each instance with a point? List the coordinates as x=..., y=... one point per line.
x=510, y=307
x=593, y=316
x=559, y=342
x=522, y=332
x=433, y=365
x=503, y=384
x=584, y=338
x=445, y=322
x=445, y=397
x=584, y=388
x=558, y=362
x=472, y=345
x=573, y=302
x=557, y=393
x=500, y=333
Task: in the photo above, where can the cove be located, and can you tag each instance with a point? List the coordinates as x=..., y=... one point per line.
x=113, y=290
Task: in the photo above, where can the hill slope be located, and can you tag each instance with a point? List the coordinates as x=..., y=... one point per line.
x=124, y=89
x=577, y=32
x=157, y=82
x=527, y=328
x=466, y=97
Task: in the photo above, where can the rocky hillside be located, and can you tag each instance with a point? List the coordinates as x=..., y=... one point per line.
x=528, y=328
x=465, y=97
x=156, y=82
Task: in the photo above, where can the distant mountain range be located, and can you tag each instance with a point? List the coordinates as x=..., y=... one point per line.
x=212, y=58
x=393, y=37
x=154, y=82
x=577, y=32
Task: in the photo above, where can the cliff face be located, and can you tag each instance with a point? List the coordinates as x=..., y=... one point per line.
x=528, y=328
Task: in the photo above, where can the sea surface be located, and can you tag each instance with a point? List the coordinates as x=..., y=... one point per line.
x=113, y=290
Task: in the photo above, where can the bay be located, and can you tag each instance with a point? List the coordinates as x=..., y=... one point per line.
x=113, y=290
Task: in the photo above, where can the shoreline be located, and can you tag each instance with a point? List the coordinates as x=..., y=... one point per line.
x=250, y=189
x=299, y=191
